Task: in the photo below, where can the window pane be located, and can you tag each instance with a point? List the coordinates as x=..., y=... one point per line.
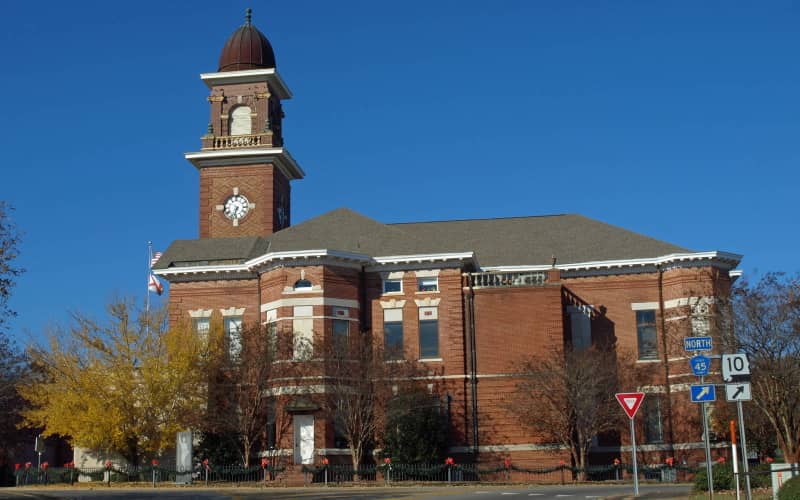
x=393, y=340
x=428, y=284
x=392, y=286
x=653, y=424
x=233, y=334
x=429, y=339
x=341, y=330
x=202, y=327
x=646, y=334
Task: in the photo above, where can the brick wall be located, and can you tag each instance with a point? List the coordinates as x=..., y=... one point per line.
x=262, y=184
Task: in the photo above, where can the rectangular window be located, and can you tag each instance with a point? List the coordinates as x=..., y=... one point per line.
x=393, y=333
x=428, y=332
x=646, y=334
x=341, y=331
x=201, y=327
x=392, y=285
x=233, y=336
x=271, y=425
x=272, y=332
x=428, y=284
x=653, y=423
x=303, y=333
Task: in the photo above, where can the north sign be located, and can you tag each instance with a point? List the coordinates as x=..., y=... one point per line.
x=700, y=365
x=696, y=344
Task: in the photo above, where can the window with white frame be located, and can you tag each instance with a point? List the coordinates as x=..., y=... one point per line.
x=303, y=332
x=272, y=332
x=340, y=326
x=701, y=318
x=646, y=334
x=392, y=285
x=428, y=332
x=233, y=336
x=393, y=333
x=653, y=420
x=428, y=284
x=202, y=326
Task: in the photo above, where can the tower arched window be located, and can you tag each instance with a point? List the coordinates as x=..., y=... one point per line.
x=241, y=122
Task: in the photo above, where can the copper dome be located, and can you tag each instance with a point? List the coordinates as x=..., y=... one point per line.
x=247, y=48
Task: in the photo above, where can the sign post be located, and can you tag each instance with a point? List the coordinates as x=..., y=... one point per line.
x=630, y=402
x=736, y=369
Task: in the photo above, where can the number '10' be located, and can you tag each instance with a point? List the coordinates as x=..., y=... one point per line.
x=735, y=364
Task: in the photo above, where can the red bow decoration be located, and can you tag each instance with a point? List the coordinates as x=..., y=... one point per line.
x=16, y=467
x=45, y=465
x=562, y=463
x=670, y=461
x=108, y=464
x=507, y=463
x=264, y=463
x=721, y=460
x=27, y=465
x=769, y=460
x=154, y=462
x=616, y=461
x=387, y=460
x=205, y=463
x=450, y=461
x=325, y=461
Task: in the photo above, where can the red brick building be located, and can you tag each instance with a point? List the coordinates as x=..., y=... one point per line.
x=465, y=297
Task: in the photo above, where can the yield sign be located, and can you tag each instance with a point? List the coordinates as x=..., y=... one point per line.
x=630, y=401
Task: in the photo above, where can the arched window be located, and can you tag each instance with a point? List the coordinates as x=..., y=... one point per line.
x=302, y=284
x=241, y=123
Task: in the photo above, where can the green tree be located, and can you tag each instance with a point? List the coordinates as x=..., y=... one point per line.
x=125, y=386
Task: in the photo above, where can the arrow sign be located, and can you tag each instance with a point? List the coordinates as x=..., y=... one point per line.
x=738, y=392
x=630, y=402
x=703, y=393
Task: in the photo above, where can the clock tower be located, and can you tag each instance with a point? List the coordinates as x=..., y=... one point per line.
x=245, y=170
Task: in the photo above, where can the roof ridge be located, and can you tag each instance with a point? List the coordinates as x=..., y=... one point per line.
x=484, y=219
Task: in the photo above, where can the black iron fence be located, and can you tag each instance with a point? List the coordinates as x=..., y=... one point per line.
x=205, y=473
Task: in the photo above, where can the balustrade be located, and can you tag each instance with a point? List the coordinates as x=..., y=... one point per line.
x=507, y=279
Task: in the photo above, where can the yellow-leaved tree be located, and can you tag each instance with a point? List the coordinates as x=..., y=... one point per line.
x=124, y=386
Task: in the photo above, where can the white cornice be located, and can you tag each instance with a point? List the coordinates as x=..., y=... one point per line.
x=279, y=157
x=725, y=259
x=432, y=257
x=270, y=75
x=252, y=265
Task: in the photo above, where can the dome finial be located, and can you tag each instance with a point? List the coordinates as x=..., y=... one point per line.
x=248, y=14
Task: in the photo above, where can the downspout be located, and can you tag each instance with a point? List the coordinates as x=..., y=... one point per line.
x=472, y=363
x=667, y=383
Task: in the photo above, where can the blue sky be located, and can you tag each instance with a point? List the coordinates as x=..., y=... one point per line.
x=679, y=120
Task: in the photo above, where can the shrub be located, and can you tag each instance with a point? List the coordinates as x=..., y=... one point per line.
x=724, y=480
x=790, y=489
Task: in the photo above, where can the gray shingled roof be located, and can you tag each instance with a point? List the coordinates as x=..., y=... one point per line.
x=515, y=241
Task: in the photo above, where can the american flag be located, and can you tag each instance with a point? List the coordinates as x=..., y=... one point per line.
x=154, y=258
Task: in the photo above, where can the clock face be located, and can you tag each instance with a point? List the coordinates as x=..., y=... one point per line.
x=236, y=207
